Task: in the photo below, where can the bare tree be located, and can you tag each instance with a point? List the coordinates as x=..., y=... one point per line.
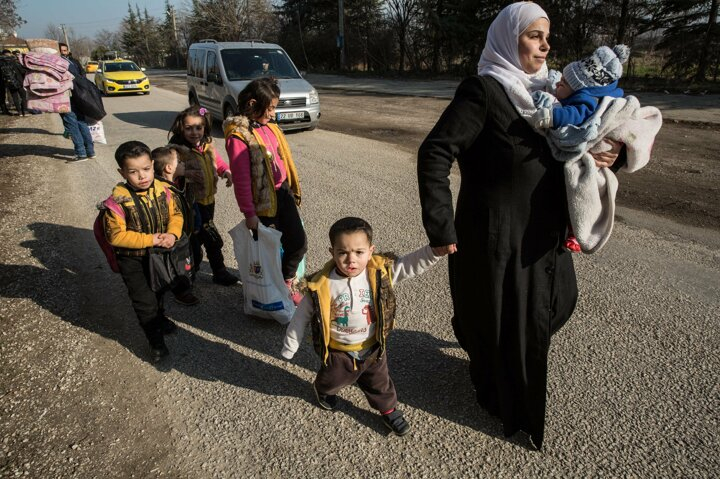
x=232, y=20
x=401, y=14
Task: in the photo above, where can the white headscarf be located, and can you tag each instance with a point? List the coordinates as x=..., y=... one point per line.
x=500, y=58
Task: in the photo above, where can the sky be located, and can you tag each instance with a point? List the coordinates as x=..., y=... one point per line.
x=86, y=17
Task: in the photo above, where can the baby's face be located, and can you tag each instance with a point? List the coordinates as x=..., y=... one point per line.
x=562, y=89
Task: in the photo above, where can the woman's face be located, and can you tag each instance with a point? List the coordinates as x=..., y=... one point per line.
x=533, y=45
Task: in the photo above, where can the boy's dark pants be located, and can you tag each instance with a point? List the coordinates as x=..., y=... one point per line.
x=371, y=375
x=213, y=246
x=148, y=305
x=287, y=221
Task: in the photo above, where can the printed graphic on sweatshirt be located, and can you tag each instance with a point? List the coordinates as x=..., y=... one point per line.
x=352, y=315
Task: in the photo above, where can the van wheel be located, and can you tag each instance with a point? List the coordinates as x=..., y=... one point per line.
x=228, y=111
x=193, y=100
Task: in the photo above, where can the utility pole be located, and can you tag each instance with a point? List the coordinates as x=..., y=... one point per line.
x=65, y=35
x=171, y=11
x=341, y=34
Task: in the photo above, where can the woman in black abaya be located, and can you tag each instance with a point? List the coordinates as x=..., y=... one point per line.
x=512, y=284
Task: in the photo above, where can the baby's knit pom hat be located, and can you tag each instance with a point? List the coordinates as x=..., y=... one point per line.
x=599, y=69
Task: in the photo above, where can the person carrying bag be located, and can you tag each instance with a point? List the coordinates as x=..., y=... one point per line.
x=167, y=265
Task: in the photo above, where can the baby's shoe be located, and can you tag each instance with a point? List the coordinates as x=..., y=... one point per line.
x=295, y=294
x=571, y=244
x=396, y=422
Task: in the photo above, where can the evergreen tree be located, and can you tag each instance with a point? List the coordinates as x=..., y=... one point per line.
x=691, y=37
x=9, y=18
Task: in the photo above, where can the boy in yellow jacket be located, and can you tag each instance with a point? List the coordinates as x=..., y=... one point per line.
x=131, y=234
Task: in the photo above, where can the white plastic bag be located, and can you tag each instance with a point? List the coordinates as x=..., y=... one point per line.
x=264, y=290
x=97, y=132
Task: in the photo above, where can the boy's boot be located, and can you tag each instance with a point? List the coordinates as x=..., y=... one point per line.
x=167, y=326
x=396, y=422
x=326, y=401
x=224, y=277
x=154, y=334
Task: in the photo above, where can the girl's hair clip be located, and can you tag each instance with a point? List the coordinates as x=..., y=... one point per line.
x=202, y=111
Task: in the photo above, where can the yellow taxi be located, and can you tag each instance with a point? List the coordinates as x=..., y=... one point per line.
x=91, y=67
x=121, y=76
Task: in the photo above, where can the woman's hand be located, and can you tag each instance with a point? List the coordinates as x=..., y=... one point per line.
x=443, y=250
x=252, y=222
x=607, y=158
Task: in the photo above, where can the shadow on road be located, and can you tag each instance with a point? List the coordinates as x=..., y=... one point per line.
x=12, y=151
x=83, y=292
x=148, y=119
x=19, y=131
x=75, y=284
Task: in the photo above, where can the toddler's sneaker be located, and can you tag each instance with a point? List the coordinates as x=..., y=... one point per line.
x=295, y=294
x=396, y=422
x=326, y=401
x=78, y=159
x=225, y=278
x=571, y=245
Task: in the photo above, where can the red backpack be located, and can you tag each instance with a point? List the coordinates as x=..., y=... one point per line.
x=99, y=228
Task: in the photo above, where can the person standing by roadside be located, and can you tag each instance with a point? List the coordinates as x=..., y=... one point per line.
x=192, y=128
x=13, y=74
x=74, y=121
x=267, y=185
x=512, y=284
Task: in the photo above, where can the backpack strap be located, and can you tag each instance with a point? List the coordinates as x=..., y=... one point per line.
x=144, y=219
x=111, y=205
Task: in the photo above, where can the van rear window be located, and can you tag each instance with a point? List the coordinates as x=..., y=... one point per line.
x=251, y=63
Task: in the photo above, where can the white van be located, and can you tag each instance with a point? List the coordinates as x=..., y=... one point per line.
x=218, y=71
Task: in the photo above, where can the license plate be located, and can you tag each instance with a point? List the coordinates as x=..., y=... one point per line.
x=295, y=115
x=129, y=86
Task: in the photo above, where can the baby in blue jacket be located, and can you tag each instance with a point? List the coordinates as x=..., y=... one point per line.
x=581, y=87
x=579, y=91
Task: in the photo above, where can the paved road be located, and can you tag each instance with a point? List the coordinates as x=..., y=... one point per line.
x=633, y=385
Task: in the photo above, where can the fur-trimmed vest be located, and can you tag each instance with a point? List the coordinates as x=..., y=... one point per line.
x=263, y=184
x=379, y=272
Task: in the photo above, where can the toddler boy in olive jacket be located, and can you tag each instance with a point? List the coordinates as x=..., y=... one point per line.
x=351, y=306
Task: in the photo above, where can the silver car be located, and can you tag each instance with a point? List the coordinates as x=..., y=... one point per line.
x=218, y=71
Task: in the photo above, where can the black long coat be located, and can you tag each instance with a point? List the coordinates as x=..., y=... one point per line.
x=512, y=285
